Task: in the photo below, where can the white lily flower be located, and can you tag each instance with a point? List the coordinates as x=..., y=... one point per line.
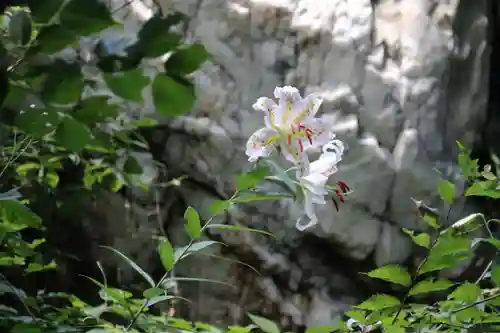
x=290, y=125
x=314, y=182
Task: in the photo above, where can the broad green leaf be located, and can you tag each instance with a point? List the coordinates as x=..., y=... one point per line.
x=43, y=11
x=446, y=190
x=450, y=244
x=73, y=135
x=468, y=292
x=186, y=59
x=132, y=166
x=429, y=286
x=170, y=97
x=264, y=324
x=153, y=292
x=483, y=189
x=358, y=315
x=393, y=329
x=436, y=263
x=193, y=224
x=392, y=273
x=152, y=44
x=258, y=196
x=132, y=264
x=167, y=255
x=86, y=17
x=219, y=206
x=251, y=179
x=37, y=122
x=95, y=109
x=127, y=85
x=53, y=38
x=237, y=228
x=423, y=239
x=468, y=166
x=20, y=26
x=379, y=302
x=34, y=267
x=16, y=212
x=64, y=83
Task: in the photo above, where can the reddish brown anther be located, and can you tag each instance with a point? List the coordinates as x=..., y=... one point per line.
x=336, y=204
x=343, y=186
x=339, y=195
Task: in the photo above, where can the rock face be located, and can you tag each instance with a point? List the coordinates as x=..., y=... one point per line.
x=403, y=79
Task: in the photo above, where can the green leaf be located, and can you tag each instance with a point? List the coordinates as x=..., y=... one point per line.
x=170, y=97
x=132, y=264
x=435, y=263
x=132, y=166
x=151, y=44
x=468, y=292
x=127, y=85
x=43, y=11
x=259, y=196
x=379, y=302
x=446, y=190
x=16, y=212
x=72, y=135
x=483, y=189
x=195, y=247
x=153, y=292
x=422, y=239
x=53, y=38
x=34, y=267
x=95, y=109
x=264, y=324
x=237, y=228
x=20, y=26
x=167, y=255
x=86, y=17
x=64, y=83
x=429, y=286
x=393, y=329
x=186, y=60
x=37, y=122
x=219, y=206
x=251, y=179
x=193, y=224
x=450, y=244
x=392, y=273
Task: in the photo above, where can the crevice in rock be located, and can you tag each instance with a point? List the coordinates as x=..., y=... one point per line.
x=488, y=143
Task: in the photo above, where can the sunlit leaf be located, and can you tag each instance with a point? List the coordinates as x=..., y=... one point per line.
x=392, y=273
x=446, y=190
x=379, y=302
x=166, y=254
x=264, y=324
x=429, y=286
x=170, y=97
x=193, y=224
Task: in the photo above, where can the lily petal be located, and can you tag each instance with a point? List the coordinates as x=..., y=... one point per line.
x=306, y=108
x=288, y=99
x=316, y=133
x=268, y=106
x=261, y=143
x=310, y=215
